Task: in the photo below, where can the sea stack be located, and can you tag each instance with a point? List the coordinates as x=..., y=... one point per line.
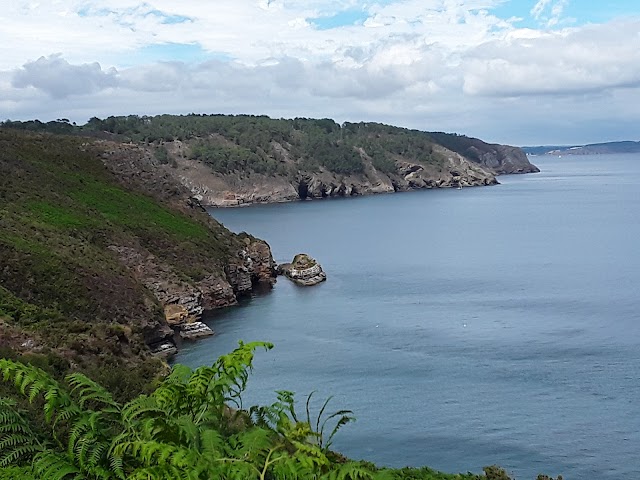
x=303, y=270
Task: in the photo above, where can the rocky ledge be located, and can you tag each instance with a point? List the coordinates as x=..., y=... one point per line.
x=191, y=331
x=303, y=270
x=164, y=350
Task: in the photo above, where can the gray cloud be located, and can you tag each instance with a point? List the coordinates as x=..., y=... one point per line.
x=428, y=93
x=593, y=59
x=60, y=79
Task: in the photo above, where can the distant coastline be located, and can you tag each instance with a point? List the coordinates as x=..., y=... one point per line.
x=590, y=149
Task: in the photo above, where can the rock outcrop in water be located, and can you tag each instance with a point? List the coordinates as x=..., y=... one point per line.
x=303, y=270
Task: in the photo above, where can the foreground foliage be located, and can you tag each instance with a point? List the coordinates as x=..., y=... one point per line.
x=193, y=426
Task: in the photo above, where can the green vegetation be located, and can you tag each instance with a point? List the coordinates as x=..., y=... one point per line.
x=248, y=143
x=471, y=148
x=302, y=261
x=62, y=285
x=234, y=158
x=192, y=426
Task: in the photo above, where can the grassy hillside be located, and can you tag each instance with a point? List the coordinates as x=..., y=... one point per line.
x=63, y=289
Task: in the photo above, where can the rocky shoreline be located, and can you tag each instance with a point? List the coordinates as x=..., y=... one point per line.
x=214, y=189
x=248, y=266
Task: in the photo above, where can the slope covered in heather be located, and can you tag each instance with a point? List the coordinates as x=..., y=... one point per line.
x=95, y=242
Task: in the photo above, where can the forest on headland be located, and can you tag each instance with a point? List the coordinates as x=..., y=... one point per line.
x=250, y=141
x=88, y=235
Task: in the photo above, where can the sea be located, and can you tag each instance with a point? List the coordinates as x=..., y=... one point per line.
x=464, y=328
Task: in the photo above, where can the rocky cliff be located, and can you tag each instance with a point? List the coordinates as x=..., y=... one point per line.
x=226, y=190
x=244, y=160
x=500, y=159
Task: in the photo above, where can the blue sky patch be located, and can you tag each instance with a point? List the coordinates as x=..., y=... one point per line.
x=165, y=18
x=580, y=12
x=342, y=19
x=170, y=19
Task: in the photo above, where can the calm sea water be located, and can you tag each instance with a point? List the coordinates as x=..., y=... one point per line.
x=463, y=327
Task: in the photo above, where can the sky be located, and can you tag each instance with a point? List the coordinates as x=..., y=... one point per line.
x=522, y=72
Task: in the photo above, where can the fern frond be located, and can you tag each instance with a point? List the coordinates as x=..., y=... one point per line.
x=31, y=381
x=351, y=471
x=172, y=396
x=141, y=407
x=17, y=440
x=117, y=465
x=58, y=404
x=307, y=409
x=53, y=466
x=319, y=418
x=179, y=374
x=149, y=452
x=88, y=390
x=251, y=445
x=346, y=416
x=211, y=443
x=161, y=473
x=286, y=402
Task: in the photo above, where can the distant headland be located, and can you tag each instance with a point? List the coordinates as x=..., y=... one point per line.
x=590, y=149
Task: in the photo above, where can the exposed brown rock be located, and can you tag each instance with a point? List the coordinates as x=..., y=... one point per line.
x=175, y=314
x=303, y=270
x=231, y=190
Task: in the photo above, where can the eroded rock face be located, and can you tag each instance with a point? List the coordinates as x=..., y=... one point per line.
x=218, y=190
x=506, y=160
x=185, y=301
x=195, y=330
x=175, y=314
x=253, y=266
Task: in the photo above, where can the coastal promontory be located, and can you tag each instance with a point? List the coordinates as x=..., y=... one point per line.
x=235, y=160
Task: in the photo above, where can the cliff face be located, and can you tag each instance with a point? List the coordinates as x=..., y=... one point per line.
x=225, y=190
x=500, y=159
x=97, y=241
x=503, y=160
x=231, y=161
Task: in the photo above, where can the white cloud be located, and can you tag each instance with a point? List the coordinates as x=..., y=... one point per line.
x=590, y=59
x=550, y=16
x=57, y=77
x=434, y=64
x=539, y=7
